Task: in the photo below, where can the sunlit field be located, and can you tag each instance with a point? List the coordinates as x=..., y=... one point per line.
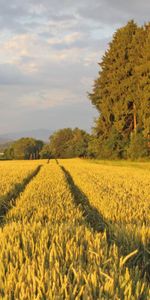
x=13, y=172
x=78, y=229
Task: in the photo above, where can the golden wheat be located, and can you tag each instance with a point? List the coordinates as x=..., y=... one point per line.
x=48, y=251
x=121, y=194
x=13, y=172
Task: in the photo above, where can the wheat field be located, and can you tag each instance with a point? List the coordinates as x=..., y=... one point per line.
x=77, y=230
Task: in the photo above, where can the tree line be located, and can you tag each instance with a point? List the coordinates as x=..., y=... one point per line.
x=63, y=143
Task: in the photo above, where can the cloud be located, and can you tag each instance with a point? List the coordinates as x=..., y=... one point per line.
x=15, y=15
x=49, y=50
x=66, y=40
x=114, y=12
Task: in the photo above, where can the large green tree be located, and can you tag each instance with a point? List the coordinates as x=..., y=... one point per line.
x=118, y=93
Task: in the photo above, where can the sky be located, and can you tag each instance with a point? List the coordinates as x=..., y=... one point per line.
x=49, y=54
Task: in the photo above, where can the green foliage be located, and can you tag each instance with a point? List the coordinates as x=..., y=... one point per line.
x=138, y=147
x=143, y=73
x=121, y=93
x=24, y=148
x=80, y=142
x=69, y=142
x=114, y=147
x=45, y=152
x=59, y=142
x=94, y=147
x=9, y=153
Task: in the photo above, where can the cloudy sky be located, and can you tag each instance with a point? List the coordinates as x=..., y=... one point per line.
x=49, y=52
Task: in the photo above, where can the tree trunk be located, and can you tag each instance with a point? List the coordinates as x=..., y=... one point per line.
x=134, y=118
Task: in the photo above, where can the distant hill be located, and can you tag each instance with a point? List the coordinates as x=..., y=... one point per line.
x=4, y=146
x=40, y=134
x=4, y=140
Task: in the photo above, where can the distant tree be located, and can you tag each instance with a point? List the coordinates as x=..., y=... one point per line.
x=80, y=142
x=9, y=153
x=60, y=142
x=45, y=152
x=24, y=148
x=69, y=142
x=38, y=148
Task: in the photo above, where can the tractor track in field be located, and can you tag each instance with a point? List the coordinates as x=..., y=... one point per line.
x=93, y=218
